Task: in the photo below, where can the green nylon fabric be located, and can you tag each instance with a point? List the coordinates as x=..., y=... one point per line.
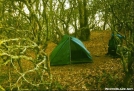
x=69, y=50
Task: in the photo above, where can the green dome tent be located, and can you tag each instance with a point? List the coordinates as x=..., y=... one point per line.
x=70, y=50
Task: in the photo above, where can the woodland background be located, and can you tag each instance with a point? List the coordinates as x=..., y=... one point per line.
x=27, y=27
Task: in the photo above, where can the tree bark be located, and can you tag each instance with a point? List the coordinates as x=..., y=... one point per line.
x=83, y=20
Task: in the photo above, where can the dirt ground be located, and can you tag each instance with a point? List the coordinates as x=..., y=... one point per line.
x=104, y=72
x=88, y=76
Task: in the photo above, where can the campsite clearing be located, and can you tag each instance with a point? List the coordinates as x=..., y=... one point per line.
x=104, y=72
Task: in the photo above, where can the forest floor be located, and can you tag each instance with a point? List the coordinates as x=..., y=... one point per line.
x=104, y=72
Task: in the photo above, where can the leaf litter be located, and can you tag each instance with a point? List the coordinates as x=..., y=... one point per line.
x=104, y=72
x=90, y=76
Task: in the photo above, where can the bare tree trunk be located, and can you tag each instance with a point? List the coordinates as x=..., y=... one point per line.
x=83, y=19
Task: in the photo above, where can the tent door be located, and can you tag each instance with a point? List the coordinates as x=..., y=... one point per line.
x=77, y=53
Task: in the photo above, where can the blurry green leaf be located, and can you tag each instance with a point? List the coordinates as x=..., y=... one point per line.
x=1, y=88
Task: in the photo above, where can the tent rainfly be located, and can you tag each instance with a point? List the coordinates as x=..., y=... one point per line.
x=70, y=50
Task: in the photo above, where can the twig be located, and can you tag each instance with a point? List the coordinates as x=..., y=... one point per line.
x=22, y=75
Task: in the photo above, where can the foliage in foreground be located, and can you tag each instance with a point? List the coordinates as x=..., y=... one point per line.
x=23, y=65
